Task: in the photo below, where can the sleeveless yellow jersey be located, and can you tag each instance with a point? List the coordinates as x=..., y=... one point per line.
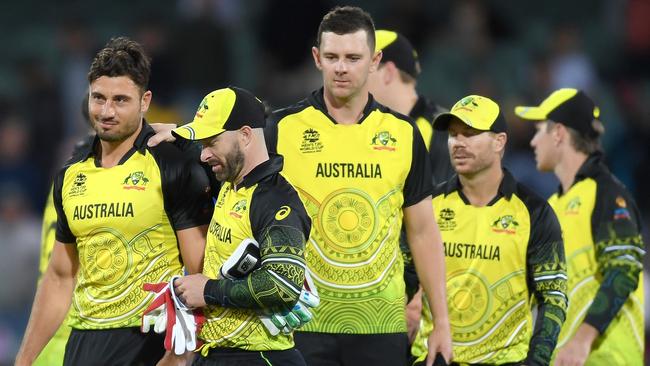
x=266, y=207
x=500, y=259
x=354, y=181
x=122, y=222
x=601, y=226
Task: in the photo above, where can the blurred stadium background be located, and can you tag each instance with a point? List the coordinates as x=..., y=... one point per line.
x=513, y=51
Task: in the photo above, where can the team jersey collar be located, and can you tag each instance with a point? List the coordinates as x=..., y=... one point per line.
x=422, y=108
x=317, y=100
x=506, y=189
x=265, y=169
x=139, y=145
x=594, y=165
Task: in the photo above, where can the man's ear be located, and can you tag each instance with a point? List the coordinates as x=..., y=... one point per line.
x=559, y=133
x=145, y=101
x=500, y=141
x=390, y=73
x=315, y=52
x=246, y=135
x=374, y=62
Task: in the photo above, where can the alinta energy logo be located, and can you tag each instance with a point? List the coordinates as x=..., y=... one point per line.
x=311, y=141
x=573, y=206
x=505, y=224
x=79, y=185
x=135, y=180
x=383, y=141
x=238, y=209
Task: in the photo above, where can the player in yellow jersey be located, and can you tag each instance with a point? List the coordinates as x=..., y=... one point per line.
x=127, y=215
x=503, y=248
x=360, y=169
x=602, y=235
x=255, y=201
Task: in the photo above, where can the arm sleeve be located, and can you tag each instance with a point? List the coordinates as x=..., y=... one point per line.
x=619, y=253
x=185, y=187
x=281, y=225
x=548, y=281
x=419, y=182
x=63, y=233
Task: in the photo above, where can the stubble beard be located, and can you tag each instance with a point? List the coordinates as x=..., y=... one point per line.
x=234, y=163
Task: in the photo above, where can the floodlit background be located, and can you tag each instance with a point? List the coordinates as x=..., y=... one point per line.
x=512, y=51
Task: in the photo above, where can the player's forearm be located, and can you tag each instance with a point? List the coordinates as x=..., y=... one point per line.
x=549, y=322
x=192, y=247
x=260, y=290
x=50, y=307
x=615, y=289
x=428, y=256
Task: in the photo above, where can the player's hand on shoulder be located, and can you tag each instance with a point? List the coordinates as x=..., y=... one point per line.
x=163, y=133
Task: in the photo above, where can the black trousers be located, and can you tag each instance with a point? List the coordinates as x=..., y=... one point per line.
x=113, y=347
x=238, y=357
x=330, y=349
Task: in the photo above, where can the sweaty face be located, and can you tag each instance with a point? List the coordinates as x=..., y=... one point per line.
x=224, y=156
x=345, y=62
x=471, y=150
x=116, y=107
x=544, y=147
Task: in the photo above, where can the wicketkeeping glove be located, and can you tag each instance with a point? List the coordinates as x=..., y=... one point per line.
x=299, y=314
x=187, y=325
x=161, y=312
x=242, y=261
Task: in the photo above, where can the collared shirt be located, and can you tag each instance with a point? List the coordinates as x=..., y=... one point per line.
x=501, y=259
x=122, y=221
x=265, y=207
x=355, y=181
x=602, y=234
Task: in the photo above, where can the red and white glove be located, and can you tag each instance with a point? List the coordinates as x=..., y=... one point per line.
x=161, y=312
x=187, y=325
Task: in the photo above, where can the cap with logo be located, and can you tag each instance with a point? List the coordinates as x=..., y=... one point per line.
x=227, y=109
x=396, y=48
x=477, y=112
x=570, y=107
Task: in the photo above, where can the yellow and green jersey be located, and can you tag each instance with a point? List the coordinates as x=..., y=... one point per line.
x=501, y=260
x=601, y=226
x=123, y=222
x=355, y=181
x=264, y=206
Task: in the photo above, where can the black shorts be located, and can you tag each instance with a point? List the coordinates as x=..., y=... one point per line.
x=331, y=349
x=238, y=357
x=123, y=346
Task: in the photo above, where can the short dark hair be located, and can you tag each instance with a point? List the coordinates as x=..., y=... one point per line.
x=345, y=20
x=122, y=57
x=584, y=143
